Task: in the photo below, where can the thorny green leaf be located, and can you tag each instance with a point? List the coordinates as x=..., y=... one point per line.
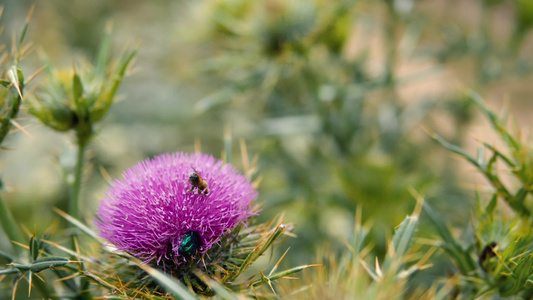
x=492, y=204
x=403, y=236
x=497, y=153
x=77, y=87
x=280, y=275
x=495, y=122
x=253, y=255
x=42, y=264
x=8, y=270
x=461, y=257
x=455, y=149
x=23, y=33
x=102, y=58
x=34, y=248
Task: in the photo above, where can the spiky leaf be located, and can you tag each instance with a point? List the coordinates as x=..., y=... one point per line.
x=42, y=264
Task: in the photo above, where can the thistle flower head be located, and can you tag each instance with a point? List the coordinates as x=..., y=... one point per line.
x=155, y=213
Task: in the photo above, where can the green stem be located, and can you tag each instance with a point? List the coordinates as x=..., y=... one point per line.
x=10, y=226
x=74, y=208
x=6, y=218
x=74, y=204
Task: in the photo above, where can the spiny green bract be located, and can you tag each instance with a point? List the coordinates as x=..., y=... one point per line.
x=77, y=100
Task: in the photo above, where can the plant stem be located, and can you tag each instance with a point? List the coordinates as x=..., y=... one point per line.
x=74, y=204
x=74, y=208
x=6, y=218
x=10, y=226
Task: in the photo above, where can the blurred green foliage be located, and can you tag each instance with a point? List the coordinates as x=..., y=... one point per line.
x=497, y=259
x=332, y=131
x=328, y=94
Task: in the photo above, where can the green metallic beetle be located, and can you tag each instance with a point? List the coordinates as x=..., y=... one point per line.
x=190, y=244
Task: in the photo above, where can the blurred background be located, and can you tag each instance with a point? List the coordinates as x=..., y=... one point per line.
x=331, y=96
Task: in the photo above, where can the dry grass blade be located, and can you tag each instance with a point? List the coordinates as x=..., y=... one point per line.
x=221, y=291
x=19, y=127
x=279, y=261
x=101, y=281
x=78, y=224
x=172, y=285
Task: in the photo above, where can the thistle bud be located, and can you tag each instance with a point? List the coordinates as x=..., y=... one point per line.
x=78, y=99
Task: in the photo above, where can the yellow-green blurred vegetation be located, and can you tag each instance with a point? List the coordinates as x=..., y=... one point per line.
x=331, y=98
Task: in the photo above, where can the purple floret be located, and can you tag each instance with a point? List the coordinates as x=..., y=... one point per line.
x=148, y=211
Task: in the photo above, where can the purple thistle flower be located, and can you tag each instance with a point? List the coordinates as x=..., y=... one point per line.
x=151, y=211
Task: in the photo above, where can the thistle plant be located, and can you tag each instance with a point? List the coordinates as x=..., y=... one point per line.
x=156, y=213
x=219, y=271
x=332, y=124
x=76, y=103
x=159, y=214
x=181, y=223
x=12, y=89
x=357, y=273
x=497, y=260
x=12, y=93
x=166, y=237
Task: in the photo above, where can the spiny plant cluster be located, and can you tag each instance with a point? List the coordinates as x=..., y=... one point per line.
x=207, y=246
x=311, y=71
x=497, y=259
x=211, y=250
